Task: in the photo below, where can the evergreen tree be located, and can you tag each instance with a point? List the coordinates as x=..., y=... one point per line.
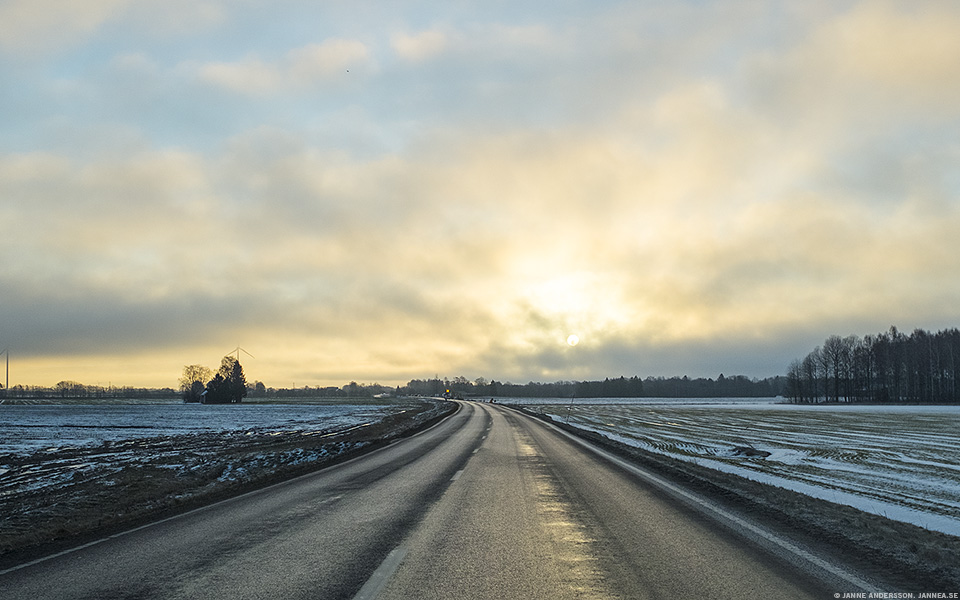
x=229, y=385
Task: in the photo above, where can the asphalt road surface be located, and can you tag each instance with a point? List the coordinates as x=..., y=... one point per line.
x=490, y=503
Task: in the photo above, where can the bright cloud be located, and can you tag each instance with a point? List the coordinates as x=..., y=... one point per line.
x=48, y=26
x=421, y=46
x=301, y=67
x=34, y=24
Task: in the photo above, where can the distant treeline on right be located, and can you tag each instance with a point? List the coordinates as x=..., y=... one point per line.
x=922, y=367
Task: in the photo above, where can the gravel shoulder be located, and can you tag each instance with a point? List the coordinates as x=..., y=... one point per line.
x=118, y=485
x=903, y=555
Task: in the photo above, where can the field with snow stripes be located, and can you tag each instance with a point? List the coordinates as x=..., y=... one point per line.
x=31, y=427
x=44, y=446
x=72, y=468
x=902, y=462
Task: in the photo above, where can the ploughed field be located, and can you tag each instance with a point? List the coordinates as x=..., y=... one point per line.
x=901, y=462
x=71, y=470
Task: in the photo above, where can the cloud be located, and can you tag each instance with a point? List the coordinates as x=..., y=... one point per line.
x=177, y=18
x=250, y=75
x=37, y=24
x=44, y=26
x=421, y=46
x=908, y=52
x=322, y=61
x=303, y=67
x=875, y=62
x=486, y=249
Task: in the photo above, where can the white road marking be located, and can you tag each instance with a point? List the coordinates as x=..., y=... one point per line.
x=372, y=588
x=121, y=534
x=457, y=475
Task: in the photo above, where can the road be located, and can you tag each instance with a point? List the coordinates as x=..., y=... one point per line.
x=489, y=503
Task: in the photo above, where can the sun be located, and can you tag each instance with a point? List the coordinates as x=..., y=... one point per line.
x=573, y=339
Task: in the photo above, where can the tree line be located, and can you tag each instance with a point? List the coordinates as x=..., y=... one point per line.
x=349, y=390
x=922, y=367
x=737, y=386
x=75, y=389
x=228, y=385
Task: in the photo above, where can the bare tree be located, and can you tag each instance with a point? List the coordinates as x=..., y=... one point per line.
x=193, y=381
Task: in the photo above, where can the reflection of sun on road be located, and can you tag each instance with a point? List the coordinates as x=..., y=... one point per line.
x=504, y=528
x=572, y=547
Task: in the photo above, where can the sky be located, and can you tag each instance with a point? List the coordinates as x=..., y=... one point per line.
x=383, y=191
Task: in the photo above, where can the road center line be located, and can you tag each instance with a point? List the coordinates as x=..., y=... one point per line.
x=127, y=532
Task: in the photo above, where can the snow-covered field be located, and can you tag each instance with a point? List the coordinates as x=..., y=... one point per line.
x=68, y=469
x=55, y=445
x=27, y=428
x=902, y=462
